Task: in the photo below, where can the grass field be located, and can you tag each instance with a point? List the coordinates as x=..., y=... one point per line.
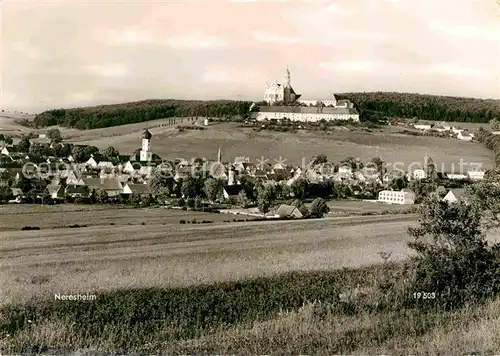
x=235, y=141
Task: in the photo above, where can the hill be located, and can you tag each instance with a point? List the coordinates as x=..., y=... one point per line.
x=128, y=113
x=424, y=107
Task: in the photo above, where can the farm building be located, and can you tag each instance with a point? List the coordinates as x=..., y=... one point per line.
x=404, y=196
x=289, y=211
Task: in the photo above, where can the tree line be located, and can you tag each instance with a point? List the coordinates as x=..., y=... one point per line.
x=424, y=107
x=102, y=116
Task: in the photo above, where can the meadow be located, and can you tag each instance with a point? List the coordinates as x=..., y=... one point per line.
x=295, y=148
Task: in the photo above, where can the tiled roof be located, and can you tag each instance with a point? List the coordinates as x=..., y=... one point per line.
x=232, y=190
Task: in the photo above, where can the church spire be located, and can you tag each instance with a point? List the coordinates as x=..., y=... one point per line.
x=288, y=78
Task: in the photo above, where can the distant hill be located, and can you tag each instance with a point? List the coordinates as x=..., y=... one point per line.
x=424, y=107
x=133, y=112
x=370, y=105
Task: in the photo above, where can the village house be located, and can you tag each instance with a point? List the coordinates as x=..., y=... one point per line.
x=476, y=175
x=454, y=195
x=289, y=211
x=140, y=189
x=404, y=196
x=231, y=191
x=77, y=191
x=419, y=174
x=422, y=126
x=56, y=191
x=456, y=176
x=91, y=162
x=464, y=136
x=112, y=186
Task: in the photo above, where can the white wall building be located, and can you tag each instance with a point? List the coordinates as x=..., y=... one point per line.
x=476, y=175
x=404, y=196
x=464, y=136
x=419, y=174
x=422, y=126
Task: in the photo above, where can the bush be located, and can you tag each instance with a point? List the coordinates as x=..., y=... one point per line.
x=27, y=228
x=182, y=221
x=454, y=259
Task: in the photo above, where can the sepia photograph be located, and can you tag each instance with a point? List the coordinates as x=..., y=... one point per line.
x=249, y=177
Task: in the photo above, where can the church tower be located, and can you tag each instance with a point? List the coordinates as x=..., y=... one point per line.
x=288, y=78
x=146, y=155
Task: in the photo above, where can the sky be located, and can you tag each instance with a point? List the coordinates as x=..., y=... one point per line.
x=66, y=53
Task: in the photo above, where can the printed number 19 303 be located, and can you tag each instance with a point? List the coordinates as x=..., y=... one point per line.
x=424, y=295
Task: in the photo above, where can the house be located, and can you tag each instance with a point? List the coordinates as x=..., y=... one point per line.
x=464, y=136
x=445, y=125
x=73, y=179
x=439, y=128
x=77, y=191
x=422, y=126
x=128, y=168
x=419, y=174
x=8, y=151
x=456, y=176
x=476, y=175
x=231, y=191
x=136, y=188
x=105, y=165
x=404, y=196
x=289, y=211
x=456, y=129
x=55, y=191
x=454, y=195
x=112, y=186
x=91, y=162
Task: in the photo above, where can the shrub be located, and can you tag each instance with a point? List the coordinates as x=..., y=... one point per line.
x=182, y=221
x=27, y=228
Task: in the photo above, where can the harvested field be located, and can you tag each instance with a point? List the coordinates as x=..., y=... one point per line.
x=108, y=257
x=363, y=206
x=57, y=259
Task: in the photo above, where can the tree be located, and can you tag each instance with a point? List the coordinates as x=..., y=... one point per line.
x=265, y=197
x=453, y=257
x=190, y=203
x=102, y=197
x=421, y=189
x=78, y=153
x=24, y=145
x=300, y=188
x=8, y=140
x=485, y=196
x=494, y=124
x=54, y=135
x=135, y=199
x=198, y=203
x=213, y=189
x=320, y=159
x=5, y=194
x=319, y=208
x=111, y=152
x=90, y=150
x=162, y=184
x=243, y=201
x=192, y=187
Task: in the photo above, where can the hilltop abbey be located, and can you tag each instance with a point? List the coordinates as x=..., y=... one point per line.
x=282, y=102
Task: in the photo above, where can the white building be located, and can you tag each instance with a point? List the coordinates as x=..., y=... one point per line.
x=310, y=111
x=456, y=176
x=422, y=126
x=464, y=136
x=404, y=196
x=146, y=154
x=419, y=174
x=476, y=175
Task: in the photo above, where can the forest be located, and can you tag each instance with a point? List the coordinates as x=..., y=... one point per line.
x=371, y=106
x=128, y=113
x=424, y=107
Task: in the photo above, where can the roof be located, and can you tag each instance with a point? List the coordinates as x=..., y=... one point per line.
x=76, y=189
x=464, y=134
x=232, y=190
x=103, y=183
x=458, y=193
x=53, y=188
x=286, y=210
x=147, y=135
x=139, y=188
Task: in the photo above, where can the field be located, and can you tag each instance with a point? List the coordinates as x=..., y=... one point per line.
x=295, y=148
x=236, y=141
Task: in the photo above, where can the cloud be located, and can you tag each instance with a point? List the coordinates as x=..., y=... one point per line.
x=114, y=70
x=197, y=41
x=274, y=38
x=468, y=32
x=455, y=70
x=349, y=66
x=128, y=36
